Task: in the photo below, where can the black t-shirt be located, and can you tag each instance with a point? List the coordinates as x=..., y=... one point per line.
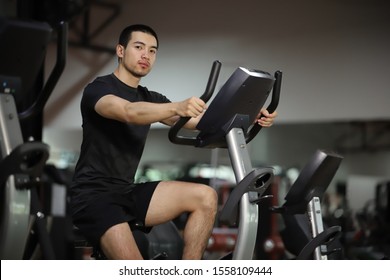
x=110, y=150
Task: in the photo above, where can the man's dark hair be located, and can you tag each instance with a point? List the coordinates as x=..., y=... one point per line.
x=125, y=35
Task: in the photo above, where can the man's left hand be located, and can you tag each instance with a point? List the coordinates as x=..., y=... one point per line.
x=266, y=119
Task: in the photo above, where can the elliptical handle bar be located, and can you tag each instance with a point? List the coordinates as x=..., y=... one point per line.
x=271, y=107
x=174, y=130
x=62, y=48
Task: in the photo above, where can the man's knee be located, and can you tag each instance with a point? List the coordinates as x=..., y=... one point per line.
x=209, y=199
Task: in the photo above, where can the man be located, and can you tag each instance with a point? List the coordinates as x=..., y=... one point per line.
x=117, y=113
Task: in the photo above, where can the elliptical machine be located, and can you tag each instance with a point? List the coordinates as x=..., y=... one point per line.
x=22, y=161
x=229, y=123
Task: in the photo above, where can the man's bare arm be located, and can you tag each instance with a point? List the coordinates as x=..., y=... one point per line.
x=142, y=113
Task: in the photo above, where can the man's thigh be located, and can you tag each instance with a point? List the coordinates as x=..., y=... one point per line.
x=172, y=198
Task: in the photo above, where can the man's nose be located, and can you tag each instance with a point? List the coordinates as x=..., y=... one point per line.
x=145, y=55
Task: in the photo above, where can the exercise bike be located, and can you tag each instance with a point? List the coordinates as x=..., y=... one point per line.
x=304, y=234
x=229, y=123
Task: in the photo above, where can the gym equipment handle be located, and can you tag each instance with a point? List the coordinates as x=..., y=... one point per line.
x=212, y=82
x=27, y=158
x=39, y=104
x=271, y=107
x=327, y=236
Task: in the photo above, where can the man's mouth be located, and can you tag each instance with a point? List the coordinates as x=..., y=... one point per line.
x=144, y=64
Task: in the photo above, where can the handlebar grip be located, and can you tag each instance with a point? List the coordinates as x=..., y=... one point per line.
x=275, y=92
x=212, y=82
x=174, y=130
x=271, y=107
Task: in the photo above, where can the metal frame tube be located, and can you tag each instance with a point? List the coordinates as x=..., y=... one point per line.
x=315, y=216
x=249, y=212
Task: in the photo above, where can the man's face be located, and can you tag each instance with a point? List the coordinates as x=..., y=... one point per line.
x=140, y=54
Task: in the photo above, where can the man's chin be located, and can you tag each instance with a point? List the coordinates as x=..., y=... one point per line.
x=140, y=74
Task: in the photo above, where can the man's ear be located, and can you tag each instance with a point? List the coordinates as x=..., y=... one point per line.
x=120, y=50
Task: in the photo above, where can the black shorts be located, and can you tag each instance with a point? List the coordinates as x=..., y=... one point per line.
x=108, y=209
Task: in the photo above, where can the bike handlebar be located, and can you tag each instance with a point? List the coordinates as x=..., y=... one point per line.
x=210, y=87
x=271, y=107
x=185, y=140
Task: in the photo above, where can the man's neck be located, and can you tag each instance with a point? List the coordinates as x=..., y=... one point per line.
x=127, y=78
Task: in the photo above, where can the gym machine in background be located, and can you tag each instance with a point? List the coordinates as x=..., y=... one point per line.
x=23, y=156
x=304, y=234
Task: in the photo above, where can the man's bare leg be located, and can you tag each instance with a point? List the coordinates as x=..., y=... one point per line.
x=118, y=243
x=196, y=233
x=172, y=198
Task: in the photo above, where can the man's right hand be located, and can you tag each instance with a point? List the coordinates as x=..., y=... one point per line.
x=191, y=107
